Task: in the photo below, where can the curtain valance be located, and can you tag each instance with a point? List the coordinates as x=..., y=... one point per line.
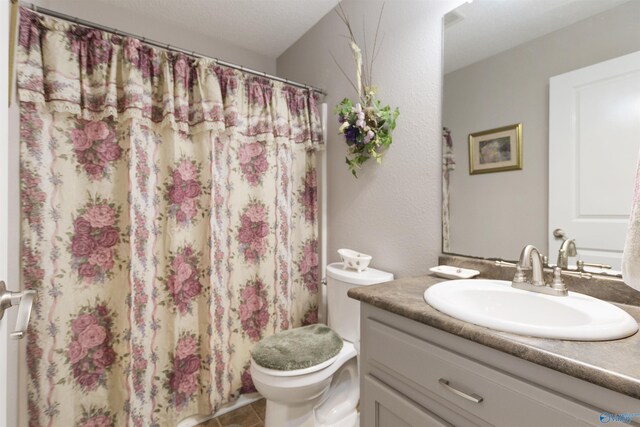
x=94, y=74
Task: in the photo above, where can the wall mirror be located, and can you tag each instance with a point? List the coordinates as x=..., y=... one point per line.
x=567, y=73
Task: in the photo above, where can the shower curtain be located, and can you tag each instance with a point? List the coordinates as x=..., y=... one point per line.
x=168, y=224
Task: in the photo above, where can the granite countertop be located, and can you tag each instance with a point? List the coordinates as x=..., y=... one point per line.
x=612, y=364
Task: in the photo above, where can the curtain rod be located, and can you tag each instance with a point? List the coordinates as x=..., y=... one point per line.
x=166, y=46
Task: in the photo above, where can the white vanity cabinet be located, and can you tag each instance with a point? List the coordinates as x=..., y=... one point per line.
x=416, y=375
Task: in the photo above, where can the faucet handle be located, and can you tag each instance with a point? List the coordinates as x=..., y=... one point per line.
x=581, y=265
x=557, y=284
x=519, y=277
x=501, y=263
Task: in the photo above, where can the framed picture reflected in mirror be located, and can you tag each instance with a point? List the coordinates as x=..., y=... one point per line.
x=496, y=150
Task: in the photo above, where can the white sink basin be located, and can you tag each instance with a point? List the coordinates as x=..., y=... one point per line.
x=495, y=304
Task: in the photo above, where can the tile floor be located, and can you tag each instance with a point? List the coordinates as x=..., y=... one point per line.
x=251, y=415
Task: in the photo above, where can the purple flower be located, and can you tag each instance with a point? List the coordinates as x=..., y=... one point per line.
x=368, y=137
x=350, y=134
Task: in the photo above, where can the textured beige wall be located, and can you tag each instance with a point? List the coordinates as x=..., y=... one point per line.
x=497, y=214
x=391, y=212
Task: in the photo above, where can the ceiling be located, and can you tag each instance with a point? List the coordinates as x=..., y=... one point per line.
x=489, y=27
x=264, y=26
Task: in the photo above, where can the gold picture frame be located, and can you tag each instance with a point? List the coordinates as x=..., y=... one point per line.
x=496, y=150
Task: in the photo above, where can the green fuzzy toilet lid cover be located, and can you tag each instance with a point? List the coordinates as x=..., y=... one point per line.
x=297, y=348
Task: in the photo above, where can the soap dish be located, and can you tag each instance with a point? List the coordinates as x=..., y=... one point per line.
x=451, y=272
x=354, y=260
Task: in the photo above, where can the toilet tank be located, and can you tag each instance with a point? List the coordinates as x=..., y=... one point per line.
x=344, y=312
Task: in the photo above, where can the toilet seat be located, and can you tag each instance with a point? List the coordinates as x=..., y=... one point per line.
x=307, y=375
x=296, y=372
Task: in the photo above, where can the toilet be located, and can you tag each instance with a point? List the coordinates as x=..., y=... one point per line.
x=325, y=394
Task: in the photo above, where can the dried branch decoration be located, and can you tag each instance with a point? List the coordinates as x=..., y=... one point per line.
x=366, y=124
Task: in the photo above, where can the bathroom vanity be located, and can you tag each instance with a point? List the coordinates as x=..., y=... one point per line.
x=420, y=367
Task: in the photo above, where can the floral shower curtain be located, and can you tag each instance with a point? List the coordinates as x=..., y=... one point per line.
x=168, y=224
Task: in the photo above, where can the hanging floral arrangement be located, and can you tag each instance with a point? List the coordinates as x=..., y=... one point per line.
x=366, y=124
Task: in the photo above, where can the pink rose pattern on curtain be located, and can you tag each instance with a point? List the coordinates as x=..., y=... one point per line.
x=169, y=223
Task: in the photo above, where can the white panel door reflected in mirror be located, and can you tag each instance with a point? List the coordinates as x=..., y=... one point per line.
x=594, y=139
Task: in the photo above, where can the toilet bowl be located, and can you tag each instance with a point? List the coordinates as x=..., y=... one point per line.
x=326, y=394
x=323, y=395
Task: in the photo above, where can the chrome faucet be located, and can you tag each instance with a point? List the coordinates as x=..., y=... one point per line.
x=530, y=258
x=567, y=249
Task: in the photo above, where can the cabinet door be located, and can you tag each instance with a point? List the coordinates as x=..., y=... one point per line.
x=384, y=407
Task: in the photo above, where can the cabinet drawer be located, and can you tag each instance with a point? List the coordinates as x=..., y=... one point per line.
x=388, y=408
x=468, y=386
